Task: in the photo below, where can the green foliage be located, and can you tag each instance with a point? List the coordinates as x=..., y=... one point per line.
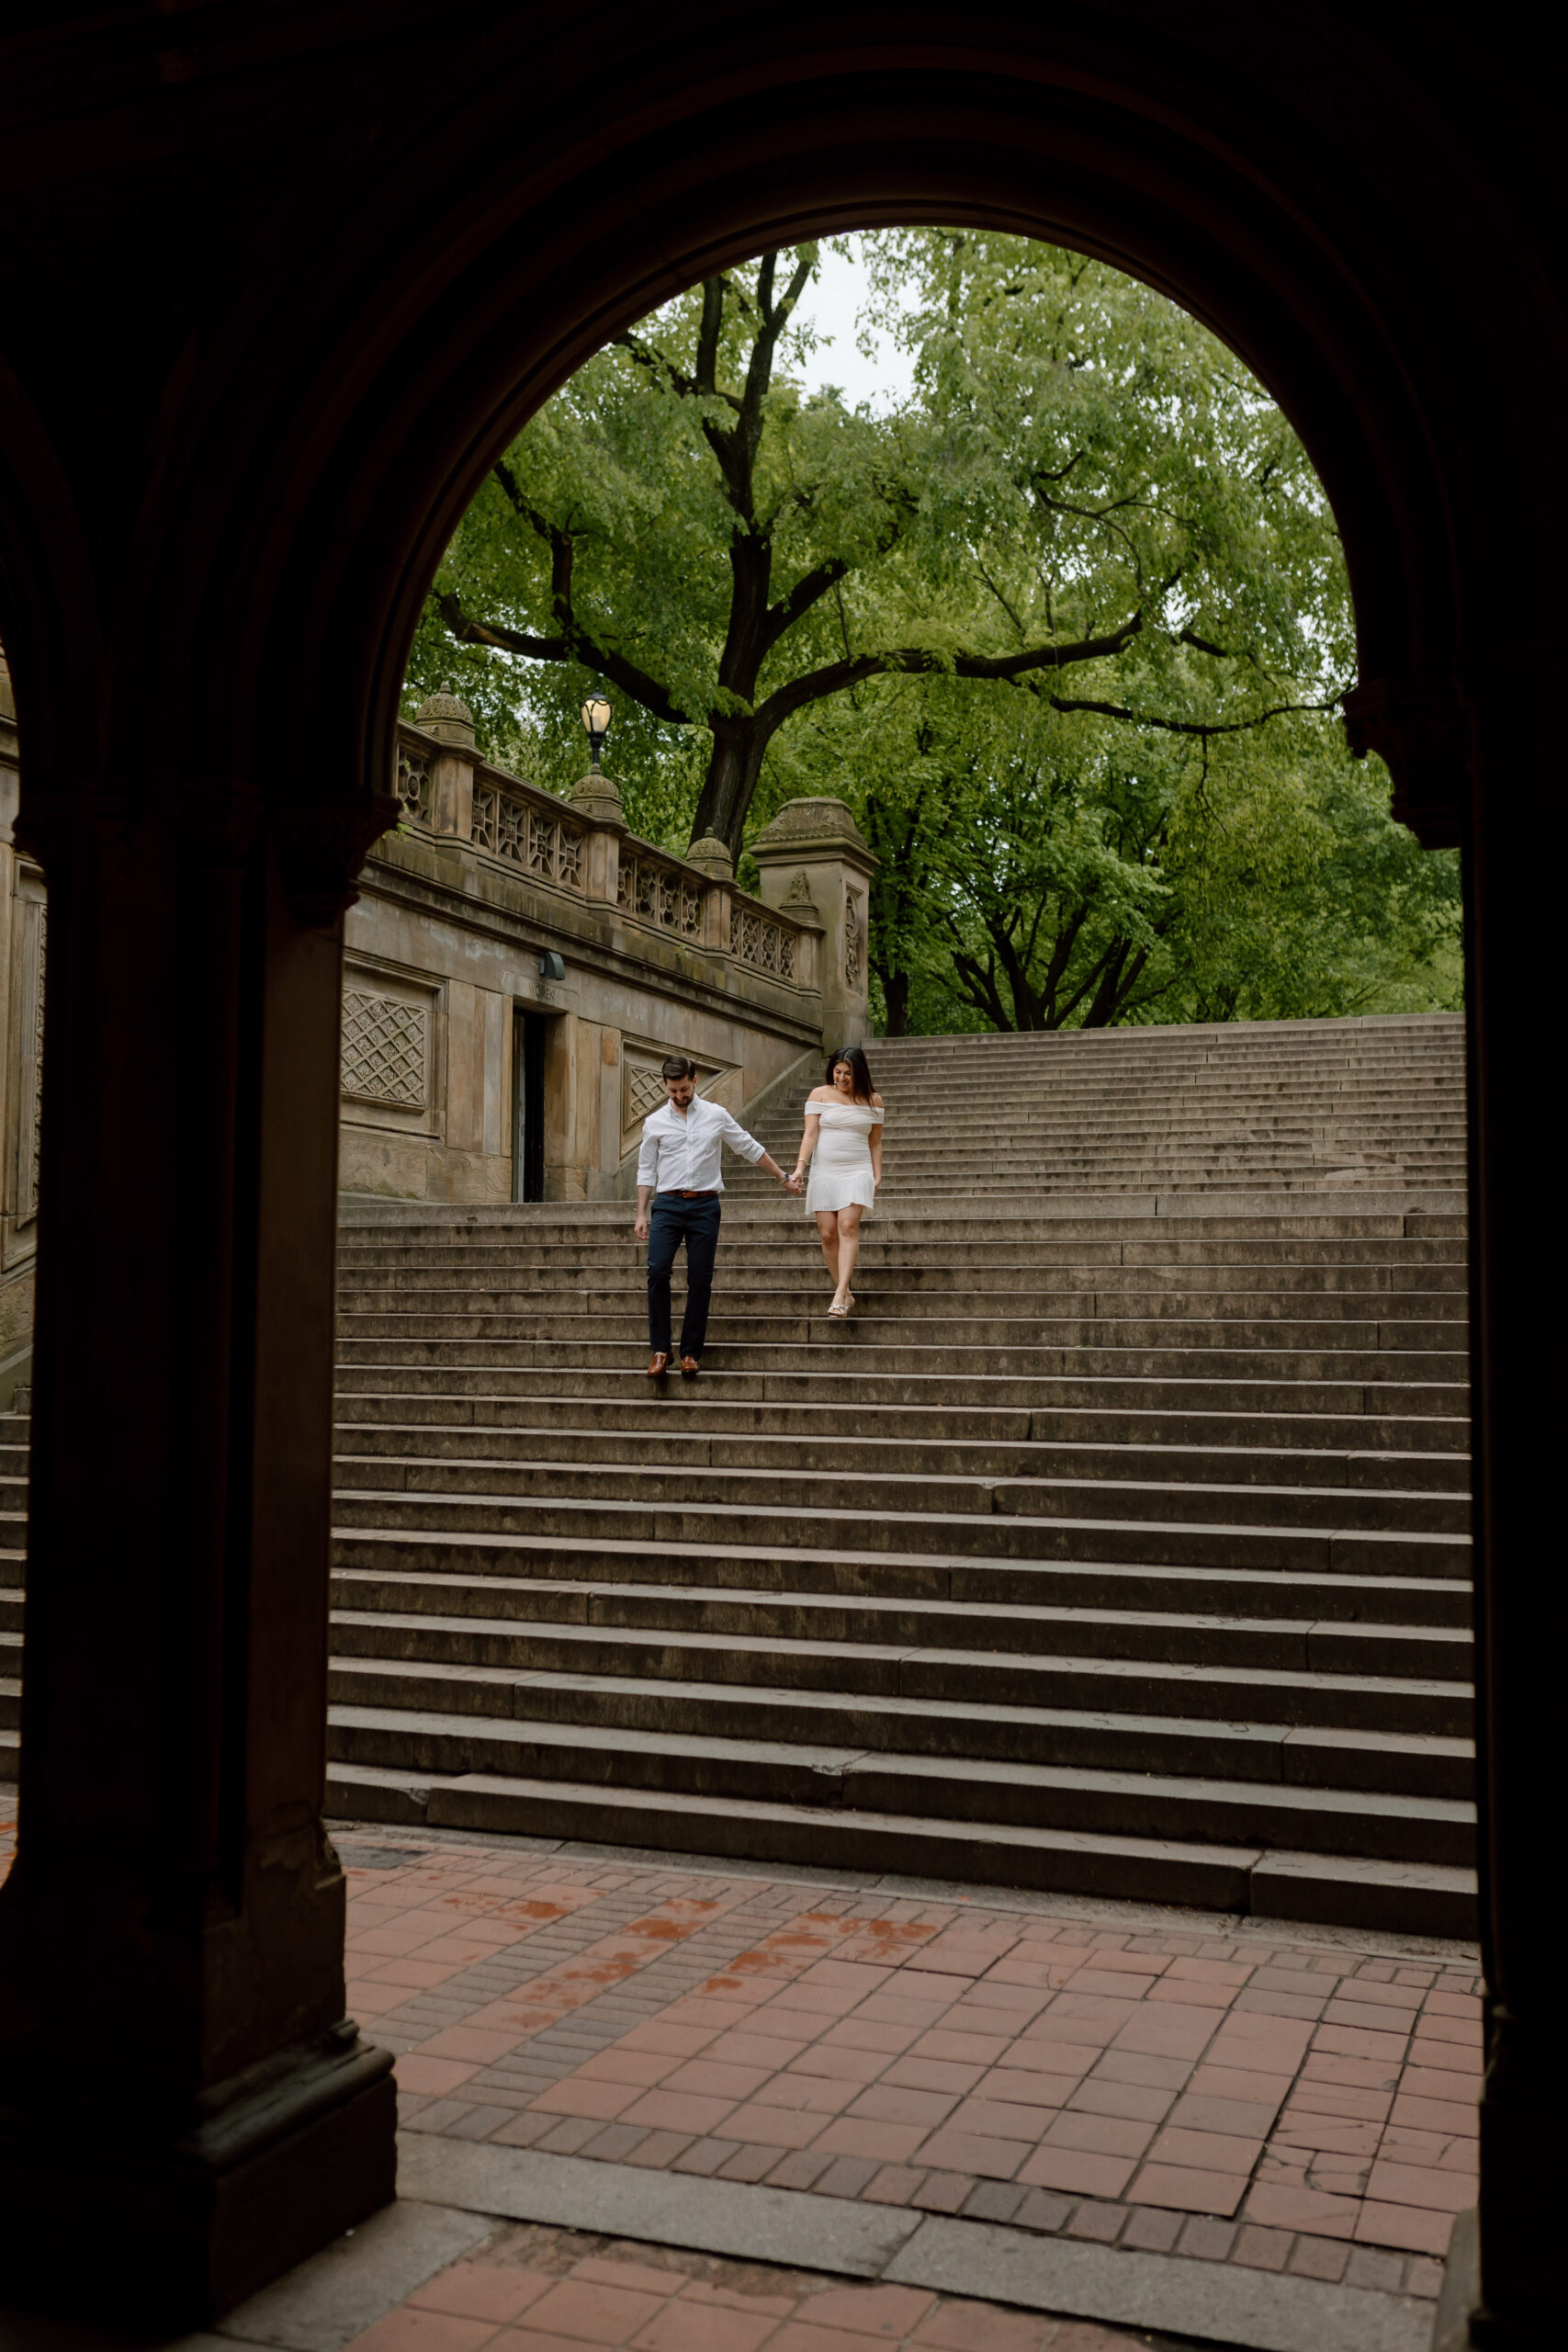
x=1069, y=631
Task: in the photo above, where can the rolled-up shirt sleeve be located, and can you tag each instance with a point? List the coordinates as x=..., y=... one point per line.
x=736, y=1137
x=648, y=1157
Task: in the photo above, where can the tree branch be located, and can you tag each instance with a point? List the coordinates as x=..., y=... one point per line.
x=919, y=659
x=574, y=644
x=1202, y=728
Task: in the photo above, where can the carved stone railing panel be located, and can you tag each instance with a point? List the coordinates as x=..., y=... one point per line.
x=758, y=938
x=548, y=847
x=659, y=891
x=414, y=786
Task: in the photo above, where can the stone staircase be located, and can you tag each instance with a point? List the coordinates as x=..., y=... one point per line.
x=1118, y=1545
x=1282, y=1105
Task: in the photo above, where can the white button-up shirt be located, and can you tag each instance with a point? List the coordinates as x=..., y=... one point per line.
x=682, y=1150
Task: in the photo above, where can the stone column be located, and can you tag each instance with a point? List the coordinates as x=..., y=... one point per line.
x=812, y=857
x=177, y=2071
x=1518, y=1071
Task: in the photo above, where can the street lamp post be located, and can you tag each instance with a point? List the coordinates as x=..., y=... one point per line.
x=597, y=795
x=596, y=713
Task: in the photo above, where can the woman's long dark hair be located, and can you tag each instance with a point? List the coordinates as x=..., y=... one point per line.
x=860, y=1070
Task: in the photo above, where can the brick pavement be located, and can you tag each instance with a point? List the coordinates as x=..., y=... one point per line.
x=1278, y=2103
x=536, y=2289
x=1246, y=2099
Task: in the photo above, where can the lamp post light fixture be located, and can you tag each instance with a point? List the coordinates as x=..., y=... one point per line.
x=596, y=713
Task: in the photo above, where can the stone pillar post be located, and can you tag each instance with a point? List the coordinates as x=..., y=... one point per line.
x=450, y=720
x=597, y=798
x=175, y=2059
x=813, y=854
x=711, y=856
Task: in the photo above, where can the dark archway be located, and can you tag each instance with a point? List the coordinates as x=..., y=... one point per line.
x=278, y=292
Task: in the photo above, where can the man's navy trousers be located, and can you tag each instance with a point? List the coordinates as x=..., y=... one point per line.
x=694, y=1221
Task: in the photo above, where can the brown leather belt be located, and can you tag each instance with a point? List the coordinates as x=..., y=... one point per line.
x=711, y=1194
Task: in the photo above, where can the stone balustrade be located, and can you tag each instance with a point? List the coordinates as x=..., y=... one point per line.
x=532, y=830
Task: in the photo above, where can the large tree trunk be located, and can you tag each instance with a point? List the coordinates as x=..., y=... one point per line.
x=731, y=782
x=896, y=997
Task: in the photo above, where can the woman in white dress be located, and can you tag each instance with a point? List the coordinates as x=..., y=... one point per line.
x=843, y=1145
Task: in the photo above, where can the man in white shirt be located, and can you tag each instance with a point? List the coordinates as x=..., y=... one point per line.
x=678, y=1170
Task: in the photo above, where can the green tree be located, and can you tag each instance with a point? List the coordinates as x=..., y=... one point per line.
x=1069, y=629
x=683, y=523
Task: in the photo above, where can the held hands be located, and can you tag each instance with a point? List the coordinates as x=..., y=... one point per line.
x=792, y=1182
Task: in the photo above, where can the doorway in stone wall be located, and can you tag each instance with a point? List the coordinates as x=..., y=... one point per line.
x=529, y=1034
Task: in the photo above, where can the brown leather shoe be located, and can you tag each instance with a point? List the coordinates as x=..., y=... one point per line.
x=659, y=1364
x=691, y=1366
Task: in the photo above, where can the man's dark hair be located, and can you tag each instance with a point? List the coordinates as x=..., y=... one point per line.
x=677, y=1066
x=860, y=1070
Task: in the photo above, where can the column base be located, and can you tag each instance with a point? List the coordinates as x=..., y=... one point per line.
x=171, y=2231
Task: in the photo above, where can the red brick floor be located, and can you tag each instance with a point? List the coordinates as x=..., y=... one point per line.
x=551, y=2291
x=1263, y=2100
x=1282, y=2104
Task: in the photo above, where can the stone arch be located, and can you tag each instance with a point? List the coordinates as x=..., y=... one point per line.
x=409, y=238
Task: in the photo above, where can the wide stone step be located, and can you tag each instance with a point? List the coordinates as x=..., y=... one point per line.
x=1071, y=1677
x=1116, y=1218
x=1375, y=1451
x=963, y=1361
x=900, y=1495
x=1371, y=1258
x=1004, y=1534
x=561, y=1302
x=880, y=1447
x=1305, y=1757
x=1065, y=1275
x=854, y=1387
x=1029, y=1796
x=423, y=1616
x=1430, y=1898
x=449, y=1560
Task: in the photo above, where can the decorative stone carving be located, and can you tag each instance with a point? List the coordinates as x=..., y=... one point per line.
x=711, y=856
x=817, y=822
x=659, y=891
x=449, y=718
x=322, y=845
x=854, y=940
x=797, y=900
x=413, y=787
x=385, y=1049
x=597, y=797
x=1420, y=727
x=642, y=1088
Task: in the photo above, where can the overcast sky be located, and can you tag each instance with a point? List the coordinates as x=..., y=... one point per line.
x=833, y=302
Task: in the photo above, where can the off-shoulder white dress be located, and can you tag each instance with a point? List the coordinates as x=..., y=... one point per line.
x=841, y=1165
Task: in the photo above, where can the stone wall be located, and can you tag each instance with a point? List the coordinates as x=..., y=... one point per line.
x=494, y=904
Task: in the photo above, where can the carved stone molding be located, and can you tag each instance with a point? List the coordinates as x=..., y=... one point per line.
x=45, y=825
x=814, y=824
x=1420, y=727
x=321, y=846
